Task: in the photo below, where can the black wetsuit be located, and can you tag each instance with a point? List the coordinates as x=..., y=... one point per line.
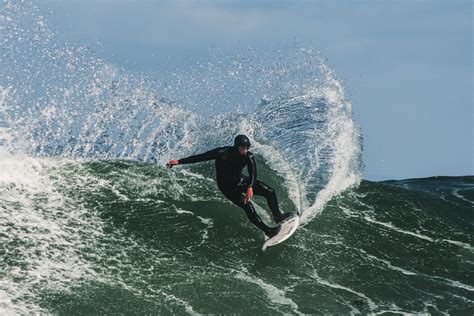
x=229, y=165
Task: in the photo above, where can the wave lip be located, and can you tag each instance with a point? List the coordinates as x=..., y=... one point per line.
x=315, y=134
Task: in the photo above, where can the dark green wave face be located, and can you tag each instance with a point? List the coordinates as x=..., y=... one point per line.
x=133, y=238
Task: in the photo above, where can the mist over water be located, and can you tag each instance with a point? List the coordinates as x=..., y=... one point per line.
x=91, y=221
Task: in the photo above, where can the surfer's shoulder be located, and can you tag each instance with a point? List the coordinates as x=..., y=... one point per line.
x=222, y=151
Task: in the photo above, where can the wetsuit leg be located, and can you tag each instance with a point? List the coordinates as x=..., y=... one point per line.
x=263, y=189
x=235, y=195
x=260, y=188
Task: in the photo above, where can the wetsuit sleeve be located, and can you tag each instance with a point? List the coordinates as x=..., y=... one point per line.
x=208, y=155
x=252, y=169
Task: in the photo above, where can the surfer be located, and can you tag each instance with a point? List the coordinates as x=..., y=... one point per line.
x=229, y=162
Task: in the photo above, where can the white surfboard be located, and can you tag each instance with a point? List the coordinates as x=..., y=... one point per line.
x=288, y=227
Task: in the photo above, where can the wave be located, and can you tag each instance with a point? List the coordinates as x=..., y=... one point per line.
x=91, y=221
x=60, y=100
x=78, y=232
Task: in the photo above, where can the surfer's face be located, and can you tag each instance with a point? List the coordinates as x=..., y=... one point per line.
x=243, y=150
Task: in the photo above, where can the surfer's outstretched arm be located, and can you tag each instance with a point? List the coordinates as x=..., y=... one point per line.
x=208, y=155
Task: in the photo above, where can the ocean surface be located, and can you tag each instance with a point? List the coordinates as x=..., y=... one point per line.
x=91, y=222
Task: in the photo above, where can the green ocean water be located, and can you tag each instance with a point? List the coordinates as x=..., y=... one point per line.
x=121, y=237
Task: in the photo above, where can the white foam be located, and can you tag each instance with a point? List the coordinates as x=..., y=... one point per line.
x=453, y=283
x=461, y=197
x=46, y=243
x=209, y=224
x=397, y=229
x=434, y=306
x=187, y=307
x=195, y=175
x=348, y=211
x=53, y=231
x=459, y=243
x=418, y=235
x=181, y=211
x=274, y=294
x=320, y=280
x=462, y=298
x=388, y=264
x=395, y=310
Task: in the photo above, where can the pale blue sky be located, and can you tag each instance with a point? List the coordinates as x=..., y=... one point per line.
x=407, y=65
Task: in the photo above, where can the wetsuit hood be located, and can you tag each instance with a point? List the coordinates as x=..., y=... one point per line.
x=241, y=140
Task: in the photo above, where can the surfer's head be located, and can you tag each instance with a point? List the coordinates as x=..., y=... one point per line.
x=242, y=143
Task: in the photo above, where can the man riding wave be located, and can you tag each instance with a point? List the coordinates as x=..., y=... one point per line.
x=229, y=162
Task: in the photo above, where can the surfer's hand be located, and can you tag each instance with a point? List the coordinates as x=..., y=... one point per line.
x=172, y=163
x=249, y=195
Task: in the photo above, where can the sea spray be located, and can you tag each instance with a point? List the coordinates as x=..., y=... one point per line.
x=64, y=101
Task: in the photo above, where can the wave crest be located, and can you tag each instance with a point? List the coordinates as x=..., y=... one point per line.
x=64, y=101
